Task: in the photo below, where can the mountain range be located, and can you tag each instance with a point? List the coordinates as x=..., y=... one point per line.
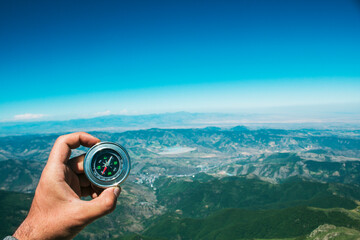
x=210, y=183
x=118, y=123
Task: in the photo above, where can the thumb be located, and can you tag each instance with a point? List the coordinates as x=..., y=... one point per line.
x=105, y=203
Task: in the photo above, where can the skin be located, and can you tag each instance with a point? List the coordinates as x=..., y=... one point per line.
x=57, y=212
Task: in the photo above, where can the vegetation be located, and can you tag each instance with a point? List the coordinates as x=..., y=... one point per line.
x=13, y=210
x=247, y=224
x=197, y=197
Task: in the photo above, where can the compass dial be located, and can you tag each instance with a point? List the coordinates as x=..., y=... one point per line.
x=107, y=164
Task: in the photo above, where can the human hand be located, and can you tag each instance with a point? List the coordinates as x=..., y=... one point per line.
x=57, y=212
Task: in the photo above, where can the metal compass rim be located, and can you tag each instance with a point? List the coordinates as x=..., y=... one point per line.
x=112, y=182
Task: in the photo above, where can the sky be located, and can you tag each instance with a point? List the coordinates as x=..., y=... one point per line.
x=71, y=59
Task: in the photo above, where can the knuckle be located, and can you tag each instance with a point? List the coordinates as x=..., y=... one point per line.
x=60, y=139
x=81, y=133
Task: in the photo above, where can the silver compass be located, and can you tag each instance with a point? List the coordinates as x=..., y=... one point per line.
x=107, y=164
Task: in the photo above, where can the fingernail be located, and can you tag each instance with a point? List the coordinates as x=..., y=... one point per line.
x=117, y=191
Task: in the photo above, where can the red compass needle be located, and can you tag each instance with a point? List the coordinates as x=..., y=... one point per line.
x=104, y=170
x=107, y=164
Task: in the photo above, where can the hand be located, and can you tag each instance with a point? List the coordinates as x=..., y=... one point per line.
x=57, y=212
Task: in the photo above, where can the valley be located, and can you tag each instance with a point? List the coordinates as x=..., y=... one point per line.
x=211, y=183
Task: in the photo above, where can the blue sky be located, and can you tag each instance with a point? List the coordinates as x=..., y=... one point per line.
x=69, y=59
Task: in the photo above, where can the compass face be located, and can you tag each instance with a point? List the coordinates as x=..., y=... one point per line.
x=107, y=164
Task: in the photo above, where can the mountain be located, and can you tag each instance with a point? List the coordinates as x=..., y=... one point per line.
x=249, y=224
x=272, y=154
x=235, y=208
x=195, y=197
x=210, y=183
x=20, y=176
x=205, y=207
x=118, y=123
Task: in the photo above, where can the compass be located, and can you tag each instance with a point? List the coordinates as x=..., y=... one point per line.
x=107, y=164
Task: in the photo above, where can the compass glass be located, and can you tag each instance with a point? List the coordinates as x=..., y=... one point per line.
x=107, y=164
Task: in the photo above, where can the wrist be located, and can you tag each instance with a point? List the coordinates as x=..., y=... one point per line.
x=23, y=232
x=29, y=231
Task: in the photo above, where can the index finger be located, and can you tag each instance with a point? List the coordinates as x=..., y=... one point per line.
x=61, y=150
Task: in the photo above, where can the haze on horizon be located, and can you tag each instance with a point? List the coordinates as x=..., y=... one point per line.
x=65, y=60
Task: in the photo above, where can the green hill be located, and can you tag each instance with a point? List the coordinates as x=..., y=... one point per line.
x=13, y=210
x=249, y=224
x=198, y=197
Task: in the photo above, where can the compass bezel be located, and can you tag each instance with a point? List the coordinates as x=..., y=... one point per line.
x=111, y=182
